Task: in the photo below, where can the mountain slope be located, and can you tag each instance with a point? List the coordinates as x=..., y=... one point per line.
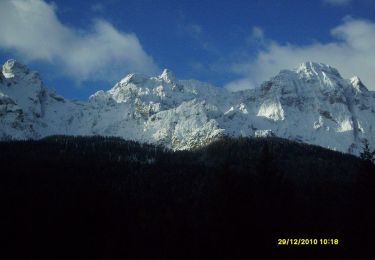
x=311, y=103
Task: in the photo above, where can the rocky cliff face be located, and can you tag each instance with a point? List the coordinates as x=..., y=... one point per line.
x=311, y=104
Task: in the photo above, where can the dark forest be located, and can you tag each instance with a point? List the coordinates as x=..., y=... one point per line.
x=107, y=198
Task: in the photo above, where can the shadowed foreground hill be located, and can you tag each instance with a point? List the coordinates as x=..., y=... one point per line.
x=100, y=198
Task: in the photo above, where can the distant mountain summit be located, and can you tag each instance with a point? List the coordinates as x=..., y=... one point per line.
x=311, y=104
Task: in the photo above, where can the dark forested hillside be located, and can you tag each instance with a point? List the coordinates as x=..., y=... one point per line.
x=101, y=198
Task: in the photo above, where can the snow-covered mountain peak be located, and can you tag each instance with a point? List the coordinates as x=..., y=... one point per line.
x=313, y=75
x=322, y=75
x=355, y=80
x=315, y=69
x=357, y=84
x=311, y=104
x=135, y=79
x=307, y=78
x=168, y=76
x=17, y=75
x=14, y=69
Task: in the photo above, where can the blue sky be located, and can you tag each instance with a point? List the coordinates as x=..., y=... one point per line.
x=83, y=46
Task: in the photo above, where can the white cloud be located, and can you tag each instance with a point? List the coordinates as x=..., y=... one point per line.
x=351, y=52
x=240, y=84
x=32, y=29
x=256, y=37
x=337, y=2
x=257, y=33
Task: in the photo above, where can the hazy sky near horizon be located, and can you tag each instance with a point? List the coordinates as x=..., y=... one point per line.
x=83, y=46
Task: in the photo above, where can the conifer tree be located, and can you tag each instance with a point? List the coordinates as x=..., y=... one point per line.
x=367, y=154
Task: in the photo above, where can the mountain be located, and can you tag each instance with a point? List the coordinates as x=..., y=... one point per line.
x=311, y=104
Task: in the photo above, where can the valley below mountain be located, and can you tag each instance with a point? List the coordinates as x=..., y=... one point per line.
x=107, y=198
